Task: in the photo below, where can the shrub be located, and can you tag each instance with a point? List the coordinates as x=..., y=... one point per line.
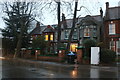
x=39, y=42
x=107, y=56
x=88, y=43
x=101, y=45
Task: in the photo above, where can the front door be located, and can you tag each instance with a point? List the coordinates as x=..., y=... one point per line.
x=73, y=47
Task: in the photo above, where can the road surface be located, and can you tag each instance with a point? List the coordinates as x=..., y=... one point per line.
x=37, y=69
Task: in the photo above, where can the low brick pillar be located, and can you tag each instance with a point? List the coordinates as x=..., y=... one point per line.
x=37, y=52
x=61, y=54
x=79, y=54
x=23, y=52
x=28, y=51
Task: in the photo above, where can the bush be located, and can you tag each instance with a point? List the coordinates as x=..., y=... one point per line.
x=107, y=56
x=101, y=45
x=88, y=43
x=39, y=42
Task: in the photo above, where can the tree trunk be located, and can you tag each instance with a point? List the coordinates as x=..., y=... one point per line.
x=59, y=27
x=19, y=42
x=72, y=29
x=17, y=51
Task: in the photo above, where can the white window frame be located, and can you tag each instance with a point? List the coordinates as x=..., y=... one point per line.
x=112, y=29
x=112, y=45
x=86, y=31
x=75, y=34
x=66, y=34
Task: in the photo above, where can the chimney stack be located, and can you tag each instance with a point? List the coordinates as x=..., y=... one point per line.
x=101, y=12
x=107, y=5
x=38, y=24
x=63, y=17
x=64, y=20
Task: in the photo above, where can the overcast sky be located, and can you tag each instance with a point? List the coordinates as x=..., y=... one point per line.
x=93, y=7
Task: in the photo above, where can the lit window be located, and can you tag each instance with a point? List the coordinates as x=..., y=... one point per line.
x=111, y=28
x=51, y=37
x=73, y=47
x=87, y=32
x=46, y=37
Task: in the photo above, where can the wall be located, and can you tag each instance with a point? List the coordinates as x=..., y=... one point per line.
x=107, y=37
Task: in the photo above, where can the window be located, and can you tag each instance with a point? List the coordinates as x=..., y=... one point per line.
x=86, y=32
x=46, y=37
x=118, y=47
x=111, y=29
x=66, y=34
x=112, y=45
x=51, y=37
x=94, y=33
x=73, y=47
x=75, y=34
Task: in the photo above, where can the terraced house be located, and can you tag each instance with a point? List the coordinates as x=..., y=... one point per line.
x=112, y=28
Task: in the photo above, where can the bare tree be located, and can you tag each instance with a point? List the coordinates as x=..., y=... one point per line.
x=59, y=26
x=73, y=26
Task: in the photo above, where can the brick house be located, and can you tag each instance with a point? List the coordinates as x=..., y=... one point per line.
x=112, y=28
x=49, y=34
x=88, y=27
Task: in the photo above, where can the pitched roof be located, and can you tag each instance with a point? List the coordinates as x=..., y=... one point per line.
x=96, y=18
x=114, y=13
x=48, y=29
x=37, y=30
x=91, y=20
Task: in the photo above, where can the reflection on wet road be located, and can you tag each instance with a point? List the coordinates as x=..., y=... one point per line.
x=18, y=69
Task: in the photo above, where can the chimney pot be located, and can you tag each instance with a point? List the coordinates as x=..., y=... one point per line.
x=107, y=5
x=101, y=12
x=37, y=24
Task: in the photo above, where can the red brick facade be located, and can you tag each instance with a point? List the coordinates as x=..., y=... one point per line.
x=115, y=37
x=112, y=28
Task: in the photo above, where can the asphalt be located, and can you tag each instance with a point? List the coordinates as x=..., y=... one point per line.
x=64, y=64
x=33, y=68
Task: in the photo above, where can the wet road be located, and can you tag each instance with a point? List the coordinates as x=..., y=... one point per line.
x=34, y=69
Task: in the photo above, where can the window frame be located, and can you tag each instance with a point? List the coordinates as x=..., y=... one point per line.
x=86, y=31
x=112, y=29
x=66, y=35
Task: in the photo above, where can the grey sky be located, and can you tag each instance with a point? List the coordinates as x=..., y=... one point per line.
x=93, y=7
